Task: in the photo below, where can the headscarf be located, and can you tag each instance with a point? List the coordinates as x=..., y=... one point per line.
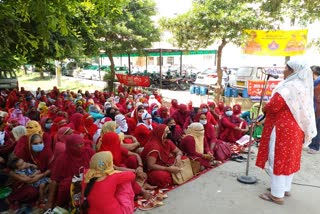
x=196, y=130
x=111, y=142
x=101, y=164
x=18, y=132
x=236, y=109
x=156, y=143
x=59, y=140
x=33, y=127
x=75, y=121
x=163, y=112
x=297, y=91
x=88, y=125
x=75, y=156
x=221, y=106
x=146, y=120
x=109, y=126
x=17, y=114
x=121, y=121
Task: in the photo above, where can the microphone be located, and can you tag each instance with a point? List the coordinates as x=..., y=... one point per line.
x=274, y=76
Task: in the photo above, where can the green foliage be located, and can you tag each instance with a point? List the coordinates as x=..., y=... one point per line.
x=129, y=30
x=213, y=21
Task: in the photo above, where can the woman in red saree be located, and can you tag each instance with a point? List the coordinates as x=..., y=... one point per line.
x=204, y=108
x=59, y=144
x=174, y=106
x=209, y=131
x=162, y=157
x=163, y=112
x=195, y=145
x=76, y=155
x=176, y=131
x=143, y=129
x=181, y=115
x=133, y=121
x=88, y=125
x=125, y=160
x=231, y=129
x=75, y=122
x=34, y=151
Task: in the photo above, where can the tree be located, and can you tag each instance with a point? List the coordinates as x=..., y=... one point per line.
x=37, y=30
x=215, y=21
x=130, y=30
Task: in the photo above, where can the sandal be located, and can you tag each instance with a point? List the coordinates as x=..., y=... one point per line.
x=148, y=205
x=160, y=197
x=268, y=197
x=312, y=151
x=287, y=194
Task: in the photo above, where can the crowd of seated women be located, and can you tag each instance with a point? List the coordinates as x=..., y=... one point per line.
x=125, y=144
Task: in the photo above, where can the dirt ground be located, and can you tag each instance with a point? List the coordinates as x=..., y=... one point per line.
x=218, y=191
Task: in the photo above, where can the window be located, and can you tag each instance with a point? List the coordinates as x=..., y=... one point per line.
x=150, y=60
x=170, y=60
x=158, y=60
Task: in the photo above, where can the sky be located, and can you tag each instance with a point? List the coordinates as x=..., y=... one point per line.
x=172, y=7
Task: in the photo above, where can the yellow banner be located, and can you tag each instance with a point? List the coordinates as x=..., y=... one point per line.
x=276, y=43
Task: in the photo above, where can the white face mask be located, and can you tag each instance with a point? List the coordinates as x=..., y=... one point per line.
x=129, y=106
x=204, y=110
x=229, y=113
x=203, y=122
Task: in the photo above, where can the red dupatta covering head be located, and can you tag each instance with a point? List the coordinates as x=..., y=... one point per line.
x=236, y=109
x=75, y=122
x=157, y=143
x=111, y=142
x=88, y=125
x=174, y=103
x=163, y=112
x=221, y=106
x=76, y=155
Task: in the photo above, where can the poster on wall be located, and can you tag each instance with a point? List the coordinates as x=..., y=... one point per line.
x=131, y=80
x=276, y=43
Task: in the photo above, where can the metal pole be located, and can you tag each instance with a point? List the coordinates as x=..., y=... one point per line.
x=129, y=61
x=146, y=63
x=160, y=68
x=181, y=63
x=246, y=179
x=99, y=59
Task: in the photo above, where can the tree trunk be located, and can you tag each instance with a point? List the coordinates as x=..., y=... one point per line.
x=40, y=69
x=110, y=81
x=25, y=69
x=219, y=70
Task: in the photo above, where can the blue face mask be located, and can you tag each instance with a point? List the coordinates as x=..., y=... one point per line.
x=37, y=147
x=118, y=130
x=204, y=110
x=229, y=113
x=48, y=125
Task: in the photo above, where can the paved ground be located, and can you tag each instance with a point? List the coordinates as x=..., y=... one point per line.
x=218, y=191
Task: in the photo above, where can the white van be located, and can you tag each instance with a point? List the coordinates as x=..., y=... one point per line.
x=246, y=73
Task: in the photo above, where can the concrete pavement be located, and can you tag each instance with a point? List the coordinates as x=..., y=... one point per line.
x=218, y=191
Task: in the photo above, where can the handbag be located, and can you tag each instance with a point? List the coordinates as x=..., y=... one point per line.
x=221, y=151
x=195, y=165
x=185, y=174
